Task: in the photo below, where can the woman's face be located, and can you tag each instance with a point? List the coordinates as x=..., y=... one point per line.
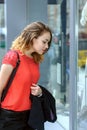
x=40, y=44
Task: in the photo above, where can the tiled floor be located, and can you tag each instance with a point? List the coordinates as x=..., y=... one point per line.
x=53, y=126
x=64, y=121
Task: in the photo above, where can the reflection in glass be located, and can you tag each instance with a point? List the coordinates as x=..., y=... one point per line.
x=82, y=67
x=2, y=31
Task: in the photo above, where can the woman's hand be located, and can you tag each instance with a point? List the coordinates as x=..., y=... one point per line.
x=36, y=90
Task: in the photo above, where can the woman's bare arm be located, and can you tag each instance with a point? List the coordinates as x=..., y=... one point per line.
x=5, y=73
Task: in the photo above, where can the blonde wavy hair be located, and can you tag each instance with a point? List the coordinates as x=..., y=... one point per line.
x=24, y=41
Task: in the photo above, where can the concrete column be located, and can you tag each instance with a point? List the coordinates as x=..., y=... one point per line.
x=37, y=11
x=15, y=19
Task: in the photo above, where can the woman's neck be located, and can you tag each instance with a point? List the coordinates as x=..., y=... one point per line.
x=28, y=53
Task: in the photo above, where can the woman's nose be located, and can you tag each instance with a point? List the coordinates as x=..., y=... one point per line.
x=47, y=46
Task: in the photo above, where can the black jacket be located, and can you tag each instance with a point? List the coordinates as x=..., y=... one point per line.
x=43, y=109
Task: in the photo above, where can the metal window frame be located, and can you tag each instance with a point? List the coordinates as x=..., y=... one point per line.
x=73, y=64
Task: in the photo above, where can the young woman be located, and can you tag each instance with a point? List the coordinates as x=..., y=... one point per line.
x=33, y=42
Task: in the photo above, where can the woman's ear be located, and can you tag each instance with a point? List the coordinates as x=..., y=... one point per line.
x=34, y=40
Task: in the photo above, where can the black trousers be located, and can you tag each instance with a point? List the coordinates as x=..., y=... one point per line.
x=10, y=120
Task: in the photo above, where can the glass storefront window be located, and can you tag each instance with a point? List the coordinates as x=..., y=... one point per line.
x=58, y=19
x=2, y=30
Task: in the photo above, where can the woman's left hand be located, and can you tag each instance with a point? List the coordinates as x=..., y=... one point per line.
x=36, y=90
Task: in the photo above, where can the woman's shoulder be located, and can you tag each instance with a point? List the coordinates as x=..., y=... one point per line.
x=10, y=58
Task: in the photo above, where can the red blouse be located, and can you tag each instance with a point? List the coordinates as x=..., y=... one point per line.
x=17, y=97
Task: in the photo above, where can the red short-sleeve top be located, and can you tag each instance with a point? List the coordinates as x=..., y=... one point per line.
x=18, y=94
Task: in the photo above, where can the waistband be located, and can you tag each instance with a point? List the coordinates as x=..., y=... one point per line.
x=14, y=114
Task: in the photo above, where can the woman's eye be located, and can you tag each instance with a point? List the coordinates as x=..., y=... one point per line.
x=44, y=42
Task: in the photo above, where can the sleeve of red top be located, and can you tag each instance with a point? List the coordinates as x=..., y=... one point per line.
x=10, y=58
